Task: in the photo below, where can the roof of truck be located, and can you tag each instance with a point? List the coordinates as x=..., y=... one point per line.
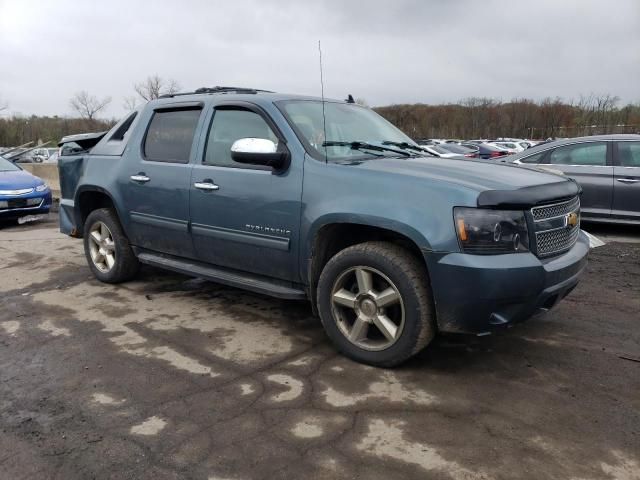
x=239, y=93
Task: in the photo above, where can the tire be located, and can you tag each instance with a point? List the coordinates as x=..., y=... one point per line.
x=346, y=309
x=116, y=261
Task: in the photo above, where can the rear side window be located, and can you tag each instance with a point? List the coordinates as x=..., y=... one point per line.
x=629, y=154
x=533, y=158
x=588, y=154
x=228, y=126
x=170, y=135
x=123, y=128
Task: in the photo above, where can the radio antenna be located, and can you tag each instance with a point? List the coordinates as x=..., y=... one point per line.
x=324, y=118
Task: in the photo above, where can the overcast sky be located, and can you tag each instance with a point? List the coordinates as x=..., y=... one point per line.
x=394, y=51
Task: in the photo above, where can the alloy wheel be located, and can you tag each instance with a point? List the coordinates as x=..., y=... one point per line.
x=368, y=308
x=101, y=247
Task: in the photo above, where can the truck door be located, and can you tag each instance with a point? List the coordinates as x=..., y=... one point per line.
x=155, y=182
x=626, y=185
x=244, y=217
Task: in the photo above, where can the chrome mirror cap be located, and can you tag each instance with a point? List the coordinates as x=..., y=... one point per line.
x=254, y=145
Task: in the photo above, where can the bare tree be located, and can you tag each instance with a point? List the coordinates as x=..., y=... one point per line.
x=3, y=105
x=130, y=103
x=154, y=86
x=88, y=105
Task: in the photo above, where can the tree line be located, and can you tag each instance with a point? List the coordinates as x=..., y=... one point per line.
x=475, y=117
x=470, y=118
x=17, y=130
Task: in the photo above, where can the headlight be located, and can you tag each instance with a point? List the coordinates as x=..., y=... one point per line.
x=487, y=232
x=42, y=188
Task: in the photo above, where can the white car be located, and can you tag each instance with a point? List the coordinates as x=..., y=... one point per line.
x=438, y=151
x=513, y=147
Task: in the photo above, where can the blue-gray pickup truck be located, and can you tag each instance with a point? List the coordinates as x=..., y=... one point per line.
x=301, y=198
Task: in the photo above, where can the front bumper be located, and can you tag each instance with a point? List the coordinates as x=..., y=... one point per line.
x=21, y=205
x=478, y=293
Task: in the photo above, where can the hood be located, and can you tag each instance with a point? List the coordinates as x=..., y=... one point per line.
x=18, y=179
x=497, y=184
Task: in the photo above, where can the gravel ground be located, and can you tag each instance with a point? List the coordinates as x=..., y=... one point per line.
x=171, y=377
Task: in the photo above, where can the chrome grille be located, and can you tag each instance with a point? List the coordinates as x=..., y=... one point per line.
x=555, y=241
x=546, y=212
x=553, y=232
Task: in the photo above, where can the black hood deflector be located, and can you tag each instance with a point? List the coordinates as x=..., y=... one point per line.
x=527, y=197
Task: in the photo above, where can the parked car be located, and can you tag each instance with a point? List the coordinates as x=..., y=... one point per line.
x=511, y=147
x=390, y=246
x=459, y=150
x=22, y=195
x=439, y=151
x=606, y=166
x=486, y=151
x=41, y=155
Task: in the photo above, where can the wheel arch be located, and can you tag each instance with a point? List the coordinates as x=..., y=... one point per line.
x=328, y=238
x=89, y=198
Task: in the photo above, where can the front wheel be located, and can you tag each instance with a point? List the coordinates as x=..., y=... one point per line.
x=375, y=303
x=107, y=249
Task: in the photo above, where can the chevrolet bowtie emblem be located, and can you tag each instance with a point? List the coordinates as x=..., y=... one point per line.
x=572, y=219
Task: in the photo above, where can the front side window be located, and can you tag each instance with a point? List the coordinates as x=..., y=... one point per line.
x=587, y=154
x=629, y=154
x=170, y=135
x=228, y=126
x=344, y=123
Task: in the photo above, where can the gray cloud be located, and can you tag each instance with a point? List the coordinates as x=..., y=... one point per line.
x=384, y=51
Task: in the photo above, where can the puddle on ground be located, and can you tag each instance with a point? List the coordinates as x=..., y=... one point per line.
x=385, y=439
x=10, y=327
x=151, y=426
x=293, y=387
x=246, y=388
x=49, y=327
x=387, y=389
x=105, y=399
x=233, y=339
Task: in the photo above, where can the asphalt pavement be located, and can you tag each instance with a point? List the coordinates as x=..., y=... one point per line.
x=169, y=377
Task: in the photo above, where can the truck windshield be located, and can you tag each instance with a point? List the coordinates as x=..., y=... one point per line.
x=346, y=125
x=7, y=166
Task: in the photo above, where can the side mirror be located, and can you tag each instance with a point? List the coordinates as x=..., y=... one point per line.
x=258, y=151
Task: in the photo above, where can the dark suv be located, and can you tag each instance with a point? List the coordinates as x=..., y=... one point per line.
x=301, y=198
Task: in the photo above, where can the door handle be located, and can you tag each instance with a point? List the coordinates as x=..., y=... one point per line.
x=206, y=185
x=140, y=177
x=628, y=180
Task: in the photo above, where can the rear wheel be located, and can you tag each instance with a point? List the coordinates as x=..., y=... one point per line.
x=375, y=303
x=107, y=249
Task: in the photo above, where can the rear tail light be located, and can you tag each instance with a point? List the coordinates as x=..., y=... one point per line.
x=497, y=154
x=470, y=155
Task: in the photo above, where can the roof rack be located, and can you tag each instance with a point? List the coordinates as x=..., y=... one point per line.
x=209, y=90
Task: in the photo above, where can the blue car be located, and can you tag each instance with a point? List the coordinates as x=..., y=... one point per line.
x=21, y=194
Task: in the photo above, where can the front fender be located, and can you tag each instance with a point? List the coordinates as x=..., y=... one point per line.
x=366, y=220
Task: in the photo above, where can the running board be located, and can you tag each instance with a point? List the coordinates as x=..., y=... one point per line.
x=246, y=281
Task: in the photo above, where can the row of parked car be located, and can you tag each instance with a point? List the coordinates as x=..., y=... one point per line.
x=607, y=167
x=485, y=149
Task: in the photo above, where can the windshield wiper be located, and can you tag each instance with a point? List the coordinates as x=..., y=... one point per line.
x=405, y=146
x=364, y=146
